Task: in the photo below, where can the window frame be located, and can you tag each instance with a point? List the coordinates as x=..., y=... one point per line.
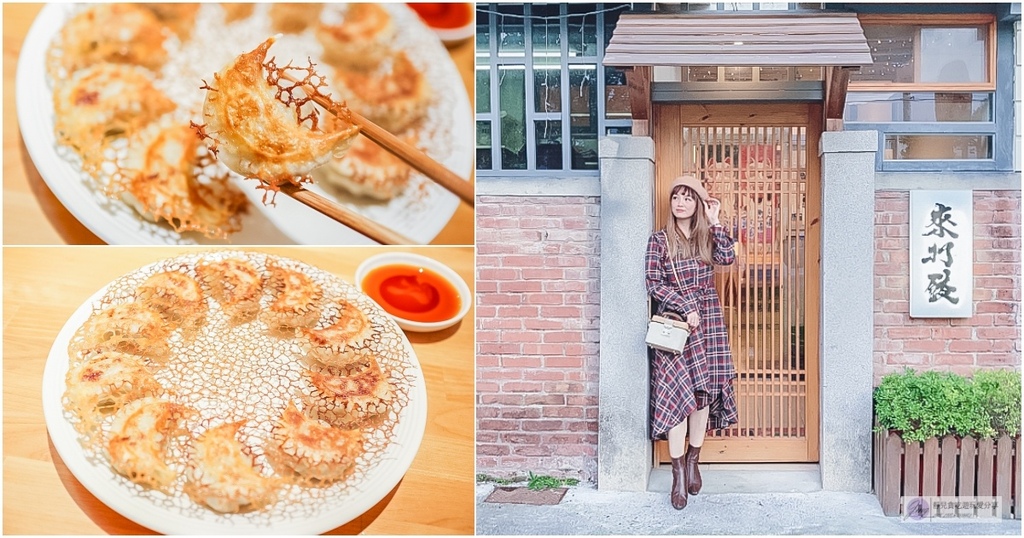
x=973, y=19
x=532, y=116
x=1002, y=153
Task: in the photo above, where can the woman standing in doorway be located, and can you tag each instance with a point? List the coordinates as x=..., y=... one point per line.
x=691, y=390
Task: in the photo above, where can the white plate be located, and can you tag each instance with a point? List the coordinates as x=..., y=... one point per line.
x=419, y=214
x=300, y=511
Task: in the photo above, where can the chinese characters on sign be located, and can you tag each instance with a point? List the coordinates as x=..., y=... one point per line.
x=941, y=254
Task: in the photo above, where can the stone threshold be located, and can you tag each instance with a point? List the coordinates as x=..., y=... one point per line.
x=746, y=478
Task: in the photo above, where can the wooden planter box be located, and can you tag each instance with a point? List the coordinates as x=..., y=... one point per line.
x=947, y=466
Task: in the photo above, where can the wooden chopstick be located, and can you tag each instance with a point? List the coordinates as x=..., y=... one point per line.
x=412, y=156
x=346, y=216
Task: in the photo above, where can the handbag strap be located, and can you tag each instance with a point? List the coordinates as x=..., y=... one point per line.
x=675, y=271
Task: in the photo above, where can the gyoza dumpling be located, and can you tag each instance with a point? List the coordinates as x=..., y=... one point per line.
x=222, y=476
x=314, y=450
x=114, y=33
x=103, y=102
x=176, y=296
x=292, y=18
x=343, y=343
x=351, y=401
x=256, y=135
x=394, y=97
x=236, y=285
x=160, y=181
x=138, y=440
x=296, y=302
x=361, y=41
x=179, y=17
x=103, y=383
x=367, y=170
x=132, y=328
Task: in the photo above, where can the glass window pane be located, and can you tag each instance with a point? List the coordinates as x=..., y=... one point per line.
x=483, y=145
x=582, y=30
x=616, y=94
x=549, y=145
x=702, y=73
x=892, y=51
x=618, y=131
x=773, y=74
x=810, y=73
x=739, y=74
x=510, y=31
x=884, y=107
x=483, y=38
x=546, y=31
x=483, y=89
x=512, y=97
x=954, y=54
x=583, y=112
x=956, y=147
x=547, y=88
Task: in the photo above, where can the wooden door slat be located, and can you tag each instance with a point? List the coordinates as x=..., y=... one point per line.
x=947, y=473
x=1004, y=462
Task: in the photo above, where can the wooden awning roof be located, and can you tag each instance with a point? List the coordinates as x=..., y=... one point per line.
x=767, y=39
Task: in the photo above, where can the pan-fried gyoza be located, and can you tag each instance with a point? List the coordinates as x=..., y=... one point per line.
x=266, y=128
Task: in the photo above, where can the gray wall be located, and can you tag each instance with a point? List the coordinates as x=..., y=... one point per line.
x=847, y=318
x=623, y=446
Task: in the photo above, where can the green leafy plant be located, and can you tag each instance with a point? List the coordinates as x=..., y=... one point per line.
x=933, y=404
x=999, y=392
x=539, y=482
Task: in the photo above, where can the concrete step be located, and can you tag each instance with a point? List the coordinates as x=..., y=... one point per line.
x=746, y=478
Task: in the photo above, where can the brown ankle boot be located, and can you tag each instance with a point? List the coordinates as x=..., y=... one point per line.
x=693, y=481
x=678, y=493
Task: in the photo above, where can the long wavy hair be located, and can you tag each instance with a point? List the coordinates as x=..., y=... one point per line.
x=700, y=244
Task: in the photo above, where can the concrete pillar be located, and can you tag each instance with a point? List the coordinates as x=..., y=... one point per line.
x=627, y=182
x=847, y=319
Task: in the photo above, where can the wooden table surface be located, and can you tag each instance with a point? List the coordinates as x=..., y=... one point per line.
x=34, y=216
x=43, y=286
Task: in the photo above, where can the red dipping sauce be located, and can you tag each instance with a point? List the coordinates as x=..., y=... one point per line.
x=445, y=16
x=412, y=292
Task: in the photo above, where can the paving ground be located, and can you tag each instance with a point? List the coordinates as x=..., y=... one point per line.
x=720, y=509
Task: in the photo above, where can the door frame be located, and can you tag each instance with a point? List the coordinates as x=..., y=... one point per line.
x=666, y=119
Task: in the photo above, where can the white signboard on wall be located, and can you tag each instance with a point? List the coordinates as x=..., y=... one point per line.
x=941, y=254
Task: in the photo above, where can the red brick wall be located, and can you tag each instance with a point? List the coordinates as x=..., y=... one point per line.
x=537, y=320
x=989, y=339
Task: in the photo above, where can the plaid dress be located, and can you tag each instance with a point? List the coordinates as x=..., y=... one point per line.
x=702, y=375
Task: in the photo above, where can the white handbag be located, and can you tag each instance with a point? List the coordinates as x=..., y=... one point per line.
x=667, y=334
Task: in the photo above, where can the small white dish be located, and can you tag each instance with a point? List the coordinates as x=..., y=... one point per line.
x=406, y=258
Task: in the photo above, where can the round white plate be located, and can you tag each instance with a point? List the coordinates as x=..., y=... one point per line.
x=300, y=512
x=420, y=213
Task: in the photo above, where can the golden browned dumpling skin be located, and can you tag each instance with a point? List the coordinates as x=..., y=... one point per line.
x=236, y=285
x=103, y=102
x=160, y=182
x=234, y=12
x=313, y=450
x=114, y=33
x=257, y=135
x=180, y=18
x=343, y=343
x=361, y=41
x=292, y=18
x=222, y=476
x=394, y=98
x=367, y=170
x=127, y=327
x=138, y=440
x=351, y=401
x=176, y=296
x=104, y=383
x=296, y=299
